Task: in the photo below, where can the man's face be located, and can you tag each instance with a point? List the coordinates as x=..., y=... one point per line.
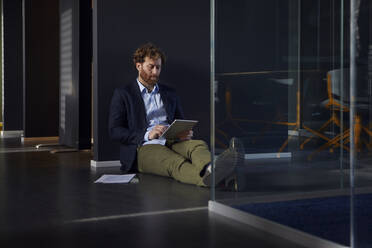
x=149, y=70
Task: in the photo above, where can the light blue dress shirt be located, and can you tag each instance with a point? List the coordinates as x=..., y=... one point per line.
x=155, y=112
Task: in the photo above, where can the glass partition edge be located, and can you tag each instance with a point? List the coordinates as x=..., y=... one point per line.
x=353, y=40
x=212, y=92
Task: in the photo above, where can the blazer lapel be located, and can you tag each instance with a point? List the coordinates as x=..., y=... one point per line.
x=139, y=106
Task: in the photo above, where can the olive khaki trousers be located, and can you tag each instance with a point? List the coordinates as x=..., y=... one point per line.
x=182, y=161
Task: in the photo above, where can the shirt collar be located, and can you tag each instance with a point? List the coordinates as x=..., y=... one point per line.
x=143, y=89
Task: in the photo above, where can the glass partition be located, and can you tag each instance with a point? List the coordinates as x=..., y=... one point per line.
x=287, y=91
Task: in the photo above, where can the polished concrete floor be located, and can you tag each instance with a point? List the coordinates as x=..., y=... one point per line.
x=50, y=200
x=268, y=177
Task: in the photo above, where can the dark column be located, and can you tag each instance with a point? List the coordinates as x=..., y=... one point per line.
x=75, y=68
x=1, y=61
x=12, y=57
x=180, y=28
x=41, y=68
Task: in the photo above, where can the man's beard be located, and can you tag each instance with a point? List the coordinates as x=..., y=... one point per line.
x=149, y=79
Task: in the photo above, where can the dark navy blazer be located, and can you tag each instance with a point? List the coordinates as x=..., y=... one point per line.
x=127, y=119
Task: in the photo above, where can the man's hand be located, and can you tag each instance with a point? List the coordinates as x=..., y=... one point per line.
x=157, y=131
x=187, y=135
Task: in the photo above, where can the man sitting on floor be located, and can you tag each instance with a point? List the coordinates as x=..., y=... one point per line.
x=141, y=111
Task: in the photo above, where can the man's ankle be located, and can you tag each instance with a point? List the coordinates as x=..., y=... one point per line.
x=207, y=168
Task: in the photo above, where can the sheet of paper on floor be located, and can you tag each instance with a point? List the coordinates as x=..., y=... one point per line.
x=115, y=178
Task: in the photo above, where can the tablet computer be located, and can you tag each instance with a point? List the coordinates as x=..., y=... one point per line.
x=178, y=126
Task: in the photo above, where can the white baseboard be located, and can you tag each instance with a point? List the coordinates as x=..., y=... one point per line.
x=105, y=164
x=274, y=228
x=116, y=163
x=268, y=155
x=11, y=134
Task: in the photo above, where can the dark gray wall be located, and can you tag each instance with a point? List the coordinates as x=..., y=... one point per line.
x=12, y=56
x=254, y=38
x=41, y=68
x=75, y=73
x=180, y=28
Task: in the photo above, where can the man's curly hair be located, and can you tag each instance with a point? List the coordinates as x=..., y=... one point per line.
x=148, y=50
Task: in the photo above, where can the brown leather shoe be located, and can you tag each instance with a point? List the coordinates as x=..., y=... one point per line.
x=226, y=162
x=224, y=166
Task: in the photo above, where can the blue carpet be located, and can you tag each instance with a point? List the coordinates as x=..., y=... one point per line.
x=328, y=218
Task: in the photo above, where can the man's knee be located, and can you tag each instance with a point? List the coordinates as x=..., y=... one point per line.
x=197, y=143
